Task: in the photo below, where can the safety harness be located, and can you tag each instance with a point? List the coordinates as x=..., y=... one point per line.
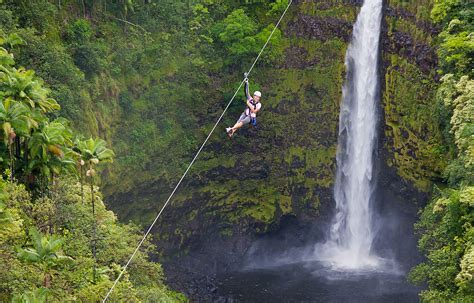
x=253, y=120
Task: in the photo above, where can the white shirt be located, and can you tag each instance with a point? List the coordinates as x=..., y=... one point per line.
x=253, y=115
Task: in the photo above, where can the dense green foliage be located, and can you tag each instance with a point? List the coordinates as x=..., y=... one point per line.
x=150, y=77
x=45, y=250
x=57, y=241
x=117, y=69
x=122, y=74
x=447, y=223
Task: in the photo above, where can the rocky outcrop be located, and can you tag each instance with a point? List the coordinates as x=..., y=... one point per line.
x=411, y=136
x=420, y=54
x=320, y=28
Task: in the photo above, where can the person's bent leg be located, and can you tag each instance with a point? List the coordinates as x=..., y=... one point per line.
x=244, y=119
x=237, y=125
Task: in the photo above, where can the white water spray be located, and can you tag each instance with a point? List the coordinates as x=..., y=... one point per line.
x=349, y=244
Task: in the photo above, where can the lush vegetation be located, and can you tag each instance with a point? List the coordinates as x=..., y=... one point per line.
x=446, y=224
x=149, y=77
x=101, y=67
x=120, y=69
x=46, y=249
x=57, y=241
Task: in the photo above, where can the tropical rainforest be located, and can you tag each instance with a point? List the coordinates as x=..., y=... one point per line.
x=104, y=103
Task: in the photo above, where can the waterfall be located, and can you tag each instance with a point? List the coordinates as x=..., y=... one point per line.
x=351, y=235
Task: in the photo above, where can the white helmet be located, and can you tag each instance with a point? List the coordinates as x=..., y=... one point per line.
x=258, y=94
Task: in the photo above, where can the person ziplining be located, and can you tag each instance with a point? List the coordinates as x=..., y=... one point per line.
x=253, y=106
x=250, y=113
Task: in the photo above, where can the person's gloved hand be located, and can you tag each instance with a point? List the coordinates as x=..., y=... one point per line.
x=246, y=79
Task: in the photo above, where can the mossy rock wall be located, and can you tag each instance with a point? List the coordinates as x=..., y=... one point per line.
x=243, y=188
x=284, y=167
x=411, y=133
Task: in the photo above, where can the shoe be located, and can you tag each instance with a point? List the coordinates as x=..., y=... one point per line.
x=229, y=132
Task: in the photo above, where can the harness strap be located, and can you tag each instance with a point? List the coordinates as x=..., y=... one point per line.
x=252, y=101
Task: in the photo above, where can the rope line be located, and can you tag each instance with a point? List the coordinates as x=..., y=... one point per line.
x=194, y=159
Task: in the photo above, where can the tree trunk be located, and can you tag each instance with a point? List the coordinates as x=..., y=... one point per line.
x=82, y=183
x=17, y=147
x=25, y=152
x=94, y=229
x=47, y=280
x=84, y=9
x=10, y=152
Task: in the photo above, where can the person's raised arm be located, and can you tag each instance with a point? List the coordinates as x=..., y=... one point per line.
x=247, y=93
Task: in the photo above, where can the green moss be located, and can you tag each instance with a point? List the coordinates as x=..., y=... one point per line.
x=420, y=8
x=263, y=212
x=411, y=125
x=285, y=204
x=211, y=160
x=337, y=9
x=318, y=161
x=301, y=162
x=236, y=201
x=415, y=32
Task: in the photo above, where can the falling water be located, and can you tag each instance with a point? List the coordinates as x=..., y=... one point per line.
x=349, y=244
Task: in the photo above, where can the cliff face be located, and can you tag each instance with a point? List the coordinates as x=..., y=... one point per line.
x=243, y=188
x=282, y=173
x=409, y=153
x=412, y=135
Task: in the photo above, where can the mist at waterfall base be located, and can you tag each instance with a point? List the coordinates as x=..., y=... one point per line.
x=345, y=266
x=282, y=267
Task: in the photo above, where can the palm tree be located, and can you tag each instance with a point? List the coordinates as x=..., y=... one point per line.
x=79, y=149
x=45, y=252
x=49, y=149
x=93, y=152
x=24, y=101
x=15, y=119
x=23, y=86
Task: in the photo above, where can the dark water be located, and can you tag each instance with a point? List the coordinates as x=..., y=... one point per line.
x=311, y=282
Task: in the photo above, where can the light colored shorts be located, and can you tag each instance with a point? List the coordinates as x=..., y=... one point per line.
x=244, y=119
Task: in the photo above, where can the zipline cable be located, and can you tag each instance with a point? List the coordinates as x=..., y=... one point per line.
x=195, y=157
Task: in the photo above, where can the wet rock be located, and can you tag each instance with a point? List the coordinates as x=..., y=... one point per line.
x=400, y=13
x=297, y=57
x=311, y=27
x=420, y=54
